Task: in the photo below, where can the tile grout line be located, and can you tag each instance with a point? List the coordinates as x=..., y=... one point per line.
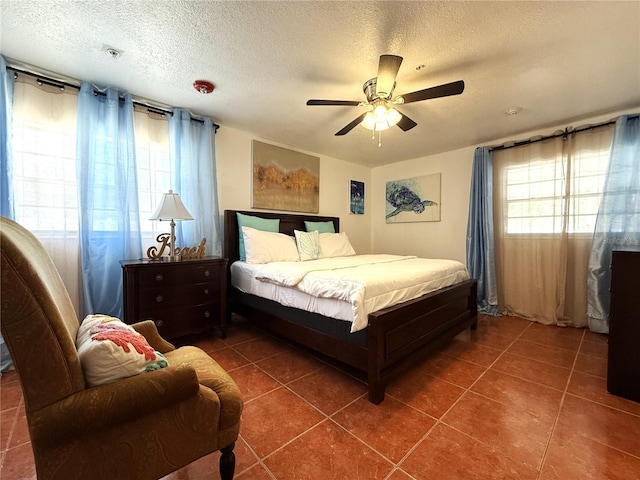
x=14, y=422
x=557, y=419
x=466, y=390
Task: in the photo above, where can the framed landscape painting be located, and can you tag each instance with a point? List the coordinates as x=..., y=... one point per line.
x=413, y=200
x=284, y=179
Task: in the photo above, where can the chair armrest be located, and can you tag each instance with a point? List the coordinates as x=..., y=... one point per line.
x=149, y=331
x=113, y=404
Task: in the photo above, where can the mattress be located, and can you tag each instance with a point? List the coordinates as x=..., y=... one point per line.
x=347, y=288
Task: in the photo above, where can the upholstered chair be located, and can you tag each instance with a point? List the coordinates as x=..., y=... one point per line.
x=140, y=427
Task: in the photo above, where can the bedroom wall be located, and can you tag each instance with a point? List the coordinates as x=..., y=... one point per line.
x=233, y=158
x=443, y=239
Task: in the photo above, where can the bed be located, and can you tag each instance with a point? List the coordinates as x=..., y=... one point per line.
x=396, y=336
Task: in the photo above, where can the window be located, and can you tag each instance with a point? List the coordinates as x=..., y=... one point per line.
x=44, y=152
x=537, y=194
x=45, y=177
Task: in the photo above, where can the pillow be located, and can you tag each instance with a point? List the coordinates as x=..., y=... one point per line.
x=321, y=227
x=265, y=224
x=110, y=350
x=335, y=245
x=265, y=247
x=308, y=245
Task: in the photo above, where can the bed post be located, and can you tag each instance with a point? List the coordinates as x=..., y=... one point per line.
x=473, y=305
x=375, y=360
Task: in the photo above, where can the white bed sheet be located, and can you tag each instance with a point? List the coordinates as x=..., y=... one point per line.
x=243, y=278
x=347, y=288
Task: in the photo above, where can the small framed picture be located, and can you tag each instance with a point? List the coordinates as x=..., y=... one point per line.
x=356, y=197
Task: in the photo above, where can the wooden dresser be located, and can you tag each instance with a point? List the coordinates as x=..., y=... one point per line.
x=623, y=370
x=181, y=297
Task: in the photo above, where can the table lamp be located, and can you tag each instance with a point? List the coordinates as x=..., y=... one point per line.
x=171, y=208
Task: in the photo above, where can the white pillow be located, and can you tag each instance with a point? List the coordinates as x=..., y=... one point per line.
x=335, y=245
x=110, y=350
x=308, y=244
x=265, y=247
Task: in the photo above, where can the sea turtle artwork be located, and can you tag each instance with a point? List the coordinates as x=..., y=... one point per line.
x=403, y=198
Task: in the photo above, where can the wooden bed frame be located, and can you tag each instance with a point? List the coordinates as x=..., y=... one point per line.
x=396, y=337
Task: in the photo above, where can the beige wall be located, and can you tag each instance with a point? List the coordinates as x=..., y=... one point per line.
x=443, y=239
x=233, y=158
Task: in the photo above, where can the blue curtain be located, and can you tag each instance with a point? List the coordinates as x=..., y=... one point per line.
x=480, y=246
x=108, y=198
x=6, y=195
x=618, y=221
x=6, y=108
x=193, y=158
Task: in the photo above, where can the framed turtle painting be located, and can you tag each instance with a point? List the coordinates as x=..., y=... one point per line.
x=413, y=200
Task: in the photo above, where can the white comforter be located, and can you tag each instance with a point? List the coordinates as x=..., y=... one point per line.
x=367, y=282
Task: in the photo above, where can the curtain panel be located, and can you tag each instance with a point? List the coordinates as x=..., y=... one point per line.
x=544, y=214
x=6, y=164
x=6, y=195
x=108, y=199
x=480, y=237
x=194, y=173
x=618, y=222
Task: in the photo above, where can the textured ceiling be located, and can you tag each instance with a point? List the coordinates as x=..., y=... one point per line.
x=560, y=61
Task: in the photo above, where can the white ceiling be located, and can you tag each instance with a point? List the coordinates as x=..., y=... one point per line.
x=561, y=61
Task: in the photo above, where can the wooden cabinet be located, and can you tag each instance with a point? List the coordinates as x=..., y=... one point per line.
x=623, y=370
x=181, y=297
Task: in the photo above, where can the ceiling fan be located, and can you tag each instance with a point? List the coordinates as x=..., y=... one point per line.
x=379, y=91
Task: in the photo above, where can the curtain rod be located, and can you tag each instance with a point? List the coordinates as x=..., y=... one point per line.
x=52, y=82
x=566, y=132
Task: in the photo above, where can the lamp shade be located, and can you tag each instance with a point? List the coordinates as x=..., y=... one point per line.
x=171, y=208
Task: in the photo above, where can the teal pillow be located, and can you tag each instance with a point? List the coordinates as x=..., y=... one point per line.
x=264, y=224
x=321, y=227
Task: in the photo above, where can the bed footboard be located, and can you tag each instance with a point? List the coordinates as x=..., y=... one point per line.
x=399, y=336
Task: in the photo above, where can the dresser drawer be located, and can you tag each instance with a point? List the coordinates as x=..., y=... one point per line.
x=178, y=296
x=173, y=323
x=184, y=274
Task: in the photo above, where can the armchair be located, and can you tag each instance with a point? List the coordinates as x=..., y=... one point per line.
x=140, y=427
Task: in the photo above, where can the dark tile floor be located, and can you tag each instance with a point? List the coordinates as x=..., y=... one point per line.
x=512, y=400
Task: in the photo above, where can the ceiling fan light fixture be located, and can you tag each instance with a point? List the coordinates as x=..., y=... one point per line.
x=381, y=118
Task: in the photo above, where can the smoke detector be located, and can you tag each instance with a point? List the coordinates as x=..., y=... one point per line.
x=513, y=111
x=112, y=52
x=203, y=86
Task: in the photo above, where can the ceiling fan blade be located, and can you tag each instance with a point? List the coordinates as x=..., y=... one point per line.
x=387, y=72
x=351, y=126
x=406, y=123
x=333, y=102
x=453, y=88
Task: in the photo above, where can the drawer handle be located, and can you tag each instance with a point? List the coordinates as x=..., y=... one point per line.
x=207, y=314
x=159, y=278
x=159, y=298
x=206, y=291
x=159, y=323
x=207, y=272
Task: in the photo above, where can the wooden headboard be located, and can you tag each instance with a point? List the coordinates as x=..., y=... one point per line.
x=288, y=223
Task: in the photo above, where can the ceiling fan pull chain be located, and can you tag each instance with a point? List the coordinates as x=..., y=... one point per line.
x=379, y=138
